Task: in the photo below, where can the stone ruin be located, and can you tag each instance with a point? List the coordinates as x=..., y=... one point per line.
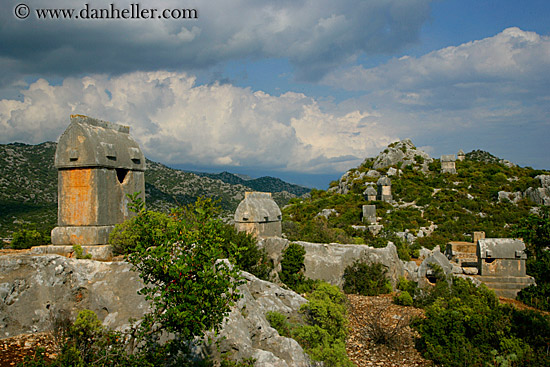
x=370, y=193
x=369, y=214
x=460, y=156
x=259, y=215
x=501, y=264
x=98, y=163
x=384, y=189
x=497, y=262
x=448, y=164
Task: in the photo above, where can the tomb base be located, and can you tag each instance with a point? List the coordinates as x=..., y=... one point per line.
x=81, y=235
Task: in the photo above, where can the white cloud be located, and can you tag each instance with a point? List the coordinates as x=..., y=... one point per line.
x=486, y=94
x=512, y=56
x=179, y=122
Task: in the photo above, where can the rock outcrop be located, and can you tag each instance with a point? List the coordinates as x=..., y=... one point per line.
x=35, y=287
x=403, y=152
x=246, y=332
x=328, y=261
x=540, y=195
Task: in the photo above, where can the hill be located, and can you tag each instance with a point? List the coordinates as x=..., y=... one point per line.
x=28, y=187
x=264, y=184
x=429, y=208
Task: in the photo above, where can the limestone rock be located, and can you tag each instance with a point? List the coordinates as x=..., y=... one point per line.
x=247, y=333
x=328, y=261
x=514, y=197
x=33, y=286
x=327, y=213
x=403, y=151
x=540, y=195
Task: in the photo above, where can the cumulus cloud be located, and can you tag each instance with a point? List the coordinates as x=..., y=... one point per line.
x=179, y=122
x=490, y=93
x=315, y=35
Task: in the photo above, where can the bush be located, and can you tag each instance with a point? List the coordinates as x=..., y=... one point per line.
x=279, y=322
x=403, y=298
x=326, y=327
x=292, y=265
x=189, y=289
x=27, y=238
x=366, y=279
x=466, y=324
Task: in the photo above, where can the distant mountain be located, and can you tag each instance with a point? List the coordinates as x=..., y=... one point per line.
x=28, y=187
x=266, y=184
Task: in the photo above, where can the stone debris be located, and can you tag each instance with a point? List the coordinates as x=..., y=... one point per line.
x=361, y=348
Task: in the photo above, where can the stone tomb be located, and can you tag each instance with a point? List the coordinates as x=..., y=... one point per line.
x=448, y=164
x=384, y=189
x=98, y=163
x=501, y=264
x=369, y=214
x=259, y=215
x=370, y=193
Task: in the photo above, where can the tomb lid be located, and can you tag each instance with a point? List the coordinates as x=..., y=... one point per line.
x=384, y=181
x=370, y=190
x=501, y=248
x=89, y=142
x=448, y=158
x=258, y=207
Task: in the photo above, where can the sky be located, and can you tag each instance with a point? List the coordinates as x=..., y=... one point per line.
x=302, y=90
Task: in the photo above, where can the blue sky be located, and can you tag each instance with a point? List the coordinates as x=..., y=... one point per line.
x=301, y=90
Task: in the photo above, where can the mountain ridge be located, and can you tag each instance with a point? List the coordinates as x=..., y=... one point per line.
x=28, y=187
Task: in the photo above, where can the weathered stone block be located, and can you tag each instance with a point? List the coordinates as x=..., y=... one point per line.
x=259, y=215
x=369, y=214
x=98, y=165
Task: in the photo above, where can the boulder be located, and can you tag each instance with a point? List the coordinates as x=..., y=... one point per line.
x=403, y=152
x=246, y=332
x=32, y=287
x=540, y=195
x=328, y=261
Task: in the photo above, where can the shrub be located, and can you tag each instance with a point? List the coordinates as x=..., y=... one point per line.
x=403, y=298
x=27, y=238
x=366, y=279
x=279, y=322
x=292, y=265
x=189, y=289
x=466, y=324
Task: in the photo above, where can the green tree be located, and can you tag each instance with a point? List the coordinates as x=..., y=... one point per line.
x=189, y=288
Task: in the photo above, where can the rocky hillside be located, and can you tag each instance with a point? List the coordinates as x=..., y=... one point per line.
x=28, y=187
x=429, y=208
x=264, y=184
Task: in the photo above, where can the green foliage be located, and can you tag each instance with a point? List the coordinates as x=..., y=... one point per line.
x=292, y=269
x=366, y=279
x=403, y=298
x=465, y=324
x=279, y=322
x=85, y=342
x=189, y=289
x=128, y=234
x=248, y=256
x=27, y=238
x=156, y=229
x=326, y=327
x=535, y=231
x=79, y=252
